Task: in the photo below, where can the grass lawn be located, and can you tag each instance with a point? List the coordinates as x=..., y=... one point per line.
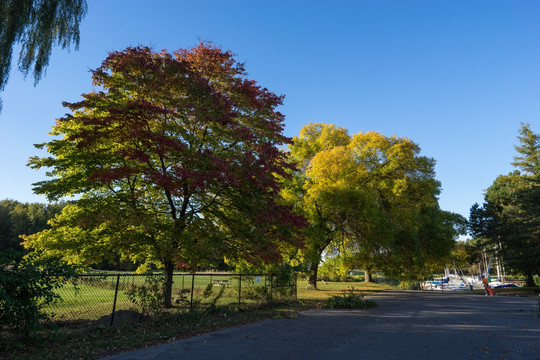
x=93, y=298
x=327, y=290
x=86, y=302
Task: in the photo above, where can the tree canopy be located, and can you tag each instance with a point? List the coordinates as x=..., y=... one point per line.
x=37, y=25
x=508, y=222
x=372, y=196
x=528, y=158
x=18, y=219
x=174, y=161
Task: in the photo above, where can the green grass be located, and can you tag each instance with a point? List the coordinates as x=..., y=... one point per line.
x=332, y=288
x=92, y=298
x=86, y=302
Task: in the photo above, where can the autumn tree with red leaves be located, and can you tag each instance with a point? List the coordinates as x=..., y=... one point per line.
x=174, y=159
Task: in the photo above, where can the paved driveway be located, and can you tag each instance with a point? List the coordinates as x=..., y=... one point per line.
x=405, y=325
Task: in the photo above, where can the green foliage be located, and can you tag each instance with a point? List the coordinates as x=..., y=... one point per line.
x=371, y=197
x=18, y=219
x=174, y=162
x=528, y=158
x=251, y=291
x=148, y=296
x=37, y=26
x=334, y=268
x=27, y=285
x=349, y=300
x=218, y=296
x=508, y=223
x=284, y=274
x=208, y=290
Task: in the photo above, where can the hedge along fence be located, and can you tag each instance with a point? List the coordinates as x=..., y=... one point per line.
x=92, y=296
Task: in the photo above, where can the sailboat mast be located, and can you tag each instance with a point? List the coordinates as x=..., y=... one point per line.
x=489, y=265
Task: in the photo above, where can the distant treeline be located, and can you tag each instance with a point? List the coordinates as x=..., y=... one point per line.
x=18, y=219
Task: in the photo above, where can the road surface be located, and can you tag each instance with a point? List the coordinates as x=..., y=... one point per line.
x=405, y=325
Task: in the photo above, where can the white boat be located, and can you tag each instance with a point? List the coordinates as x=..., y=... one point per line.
x=453, y=282
x=499, y=284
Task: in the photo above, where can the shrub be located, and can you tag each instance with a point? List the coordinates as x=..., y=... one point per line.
x=349, y=300
x=283, y=282
x=27, y=284
x=148, y=296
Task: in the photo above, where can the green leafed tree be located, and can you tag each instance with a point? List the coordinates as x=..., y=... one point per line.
x=514, y=202
x=509, y=220
x=306, y=190
x=371, y=196
x=528, y=158
x=174, y=161
x=407, y=232
x=18, y=219
x=37, y=25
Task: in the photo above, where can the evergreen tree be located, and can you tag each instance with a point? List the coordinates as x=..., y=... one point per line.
x=509, y=220
x=528, y=160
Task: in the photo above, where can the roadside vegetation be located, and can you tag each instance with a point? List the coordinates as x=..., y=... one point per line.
x=349, y=299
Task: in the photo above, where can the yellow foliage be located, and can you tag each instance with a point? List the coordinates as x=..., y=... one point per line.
x=368, y=190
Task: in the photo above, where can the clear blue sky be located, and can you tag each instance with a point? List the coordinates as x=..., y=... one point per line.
x=457, y=77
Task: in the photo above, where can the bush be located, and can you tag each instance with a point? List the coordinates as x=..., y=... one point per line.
x=148, y=296
x=349, y=300
x=409, y=285
x=27, y=285
x=283, y=282
x=251, y=292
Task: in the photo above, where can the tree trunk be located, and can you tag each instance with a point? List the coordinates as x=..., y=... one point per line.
x=314, y=267
x=167, y=286
x=312, y=279
x=529, y=279
x=367, y=276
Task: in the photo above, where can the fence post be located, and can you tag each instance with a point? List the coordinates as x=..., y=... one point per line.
x=271, y=286
x=192, y=287
x=115, y=297
x=295, y=286
x=239, y=289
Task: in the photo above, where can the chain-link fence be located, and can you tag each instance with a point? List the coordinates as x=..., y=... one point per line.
x=95, y=296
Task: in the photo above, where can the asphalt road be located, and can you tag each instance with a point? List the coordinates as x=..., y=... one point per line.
x=405, y=325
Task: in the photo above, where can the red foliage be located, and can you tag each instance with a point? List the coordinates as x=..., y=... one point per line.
x=192, y=127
